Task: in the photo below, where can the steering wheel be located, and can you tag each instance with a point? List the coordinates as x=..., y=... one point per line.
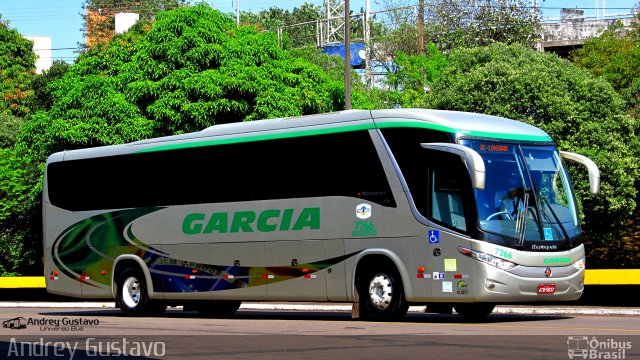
x=500, y=213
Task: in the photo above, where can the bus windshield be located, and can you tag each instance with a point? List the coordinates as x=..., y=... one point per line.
x=528, y=196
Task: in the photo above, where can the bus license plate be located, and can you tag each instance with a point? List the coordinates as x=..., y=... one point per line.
x=546, y=288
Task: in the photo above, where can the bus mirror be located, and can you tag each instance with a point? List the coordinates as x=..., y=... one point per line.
x=592, y=168
x=472, y=159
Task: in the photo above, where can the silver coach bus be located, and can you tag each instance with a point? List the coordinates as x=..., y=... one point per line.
x=383, y=208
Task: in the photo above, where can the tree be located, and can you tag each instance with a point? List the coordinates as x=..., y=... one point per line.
x=42, y=97
x=189, y=69
x=17, y=68
x=615, y=55
x=582, y=113
x=99, y=18
x=416, y=74
x=299, y=27
x=460, y=23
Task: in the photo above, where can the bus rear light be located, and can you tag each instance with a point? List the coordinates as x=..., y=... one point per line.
x=310, y=276
x=268, y=276
x=55, y=273
x=85, y=277
x=420, y=276
x=189, y=277
x=103, y=272
x=194, y=271
x=421, y=269
x=305, y=270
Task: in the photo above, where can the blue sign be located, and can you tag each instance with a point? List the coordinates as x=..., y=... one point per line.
x=434, y=236
x=548, y=234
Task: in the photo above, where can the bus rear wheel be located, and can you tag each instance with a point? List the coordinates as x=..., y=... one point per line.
x=474, y=311
x=133, y=297
x=381, y=295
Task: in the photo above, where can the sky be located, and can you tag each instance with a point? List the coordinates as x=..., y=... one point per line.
x=62, y=20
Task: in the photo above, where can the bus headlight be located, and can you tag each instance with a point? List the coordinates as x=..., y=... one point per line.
x=488, y=259
x=580, y=264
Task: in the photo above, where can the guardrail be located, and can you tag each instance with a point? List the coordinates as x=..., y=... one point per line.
x=591, y=277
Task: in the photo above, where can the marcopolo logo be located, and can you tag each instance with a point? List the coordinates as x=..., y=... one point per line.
x=249, y=221
x=584, y=348
x=50, y=324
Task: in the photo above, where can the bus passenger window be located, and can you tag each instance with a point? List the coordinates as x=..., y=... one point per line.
x=446, y=201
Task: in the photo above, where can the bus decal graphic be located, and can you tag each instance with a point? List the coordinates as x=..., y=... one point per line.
x=75, y=254
x=171, y=275
x=84, y=250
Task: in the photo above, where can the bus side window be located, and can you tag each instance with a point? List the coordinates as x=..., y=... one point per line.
x=450, y=193
x=446, y=204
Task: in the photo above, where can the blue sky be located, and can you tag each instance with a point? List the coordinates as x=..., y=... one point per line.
x=62, y=21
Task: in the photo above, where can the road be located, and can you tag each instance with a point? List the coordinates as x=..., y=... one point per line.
x=262, y=334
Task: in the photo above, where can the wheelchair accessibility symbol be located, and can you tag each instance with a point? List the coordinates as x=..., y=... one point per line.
x=434, y=236
x=548, y=234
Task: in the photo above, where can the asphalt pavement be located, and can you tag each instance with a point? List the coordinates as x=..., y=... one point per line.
x=342, y=307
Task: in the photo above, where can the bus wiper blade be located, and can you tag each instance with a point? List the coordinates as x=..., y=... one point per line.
x=521, y=222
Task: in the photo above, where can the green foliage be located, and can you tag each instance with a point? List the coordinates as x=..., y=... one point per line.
x=415, y=74
x=298, y=36
x=42, y=97
x=17, y=67
x=452, y=24
x=458, y=23
x=333, y=66
x=10, y=127
x=615, y=55
x=190, y=69
x=583, y=114
x=20, y=228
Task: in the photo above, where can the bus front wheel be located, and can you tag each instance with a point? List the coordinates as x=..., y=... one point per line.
x=474, y=311
x=381, y=295
x=133, y=297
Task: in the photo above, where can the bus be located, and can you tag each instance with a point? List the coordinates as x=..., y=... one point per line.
x=383, y=209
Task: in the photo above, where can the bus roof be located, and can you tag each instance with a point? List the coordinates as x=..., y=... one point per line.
x=459, y=123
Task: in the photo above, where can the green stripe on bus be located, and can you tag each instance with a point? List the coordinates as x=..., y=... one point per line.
x=474, y=133
x=251, y=138
x=341, y=129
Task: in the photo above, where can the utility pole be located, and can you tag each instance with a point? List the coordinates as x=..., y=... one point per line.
x=421, y=27
x=238, y=13
x=367, y=44
x=347, y=57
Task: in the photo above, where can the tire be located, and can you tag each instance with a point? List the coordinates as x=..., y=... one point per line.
x=474, y=311
x=218, y=308
x=133, y=297
x=381, y=295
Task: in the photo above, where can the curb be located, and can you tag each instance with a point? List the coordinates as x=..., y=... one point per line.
x=500, y=309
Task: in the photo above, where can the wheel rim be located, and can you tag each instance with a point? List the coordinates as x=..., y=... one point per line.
x=131, y=292
x=381, y=291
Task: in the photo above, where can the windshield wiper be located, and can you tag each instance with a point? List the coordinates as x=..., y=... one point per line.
x=535, y=198
x=521, y=221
